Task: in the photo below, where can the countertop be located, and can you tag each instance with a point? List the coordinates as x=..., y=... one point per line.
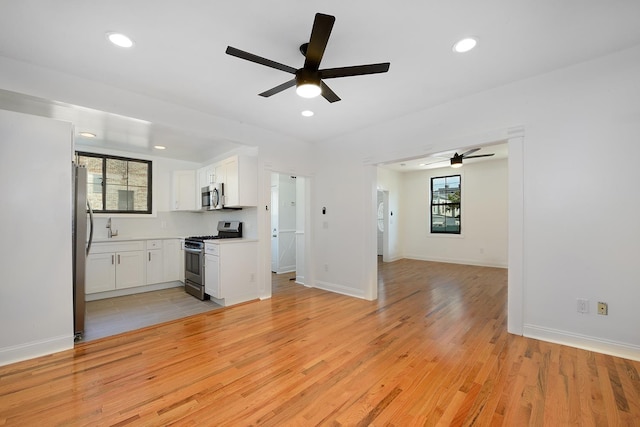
x=131, y=238
x=232, y=240
x=117, y=239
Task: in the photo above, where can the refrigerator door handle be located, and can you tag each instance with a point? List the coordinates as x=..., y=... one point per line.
x=90, y=227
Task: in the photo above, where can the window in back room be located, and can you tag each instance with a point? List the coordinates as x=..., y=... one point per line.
x=445, y=204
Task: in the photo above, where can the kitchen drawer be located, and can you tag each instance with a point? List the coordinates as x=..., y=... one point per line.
x=102, y=248
x=154, y=244
x=212, y=248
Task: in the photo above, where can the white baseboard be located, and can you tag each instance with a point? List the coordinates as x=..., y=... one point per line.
x=339, y=289
x=33, y=349
x=458, y=261
x=584, y=342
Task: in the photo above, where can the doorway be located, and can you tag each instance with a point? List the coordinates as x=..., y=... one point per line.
x=514, y=137
x=288, y=239
x=382, y=227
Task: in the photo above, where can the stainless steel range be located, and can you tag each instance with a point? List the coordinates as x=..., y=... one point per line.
x=194, y=256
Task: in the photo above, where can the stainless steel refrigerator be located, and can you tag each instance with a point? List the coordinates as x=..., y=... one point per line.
x=81, y=247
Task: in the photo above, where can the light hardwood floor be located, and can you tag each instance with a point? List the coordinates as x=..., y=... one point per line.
x=432, y=350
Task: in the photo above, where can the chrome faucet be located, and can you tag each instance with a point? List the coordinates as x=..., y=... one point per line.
x=111, y=233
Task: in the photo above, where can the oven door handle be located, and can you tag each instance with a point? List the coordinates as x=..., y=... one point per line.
x=193, y=251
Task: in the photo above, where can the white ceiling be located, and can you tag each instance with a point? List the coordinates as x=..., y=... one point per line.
x=179, y=53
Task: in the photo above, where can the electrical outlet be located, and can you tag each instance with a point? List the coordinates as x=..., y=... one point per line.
x=583, y=305
x=603, y=308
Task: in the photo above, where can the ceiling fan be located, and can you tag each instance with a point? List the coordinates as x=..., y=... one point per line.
x=456, y=160
x=309, y=79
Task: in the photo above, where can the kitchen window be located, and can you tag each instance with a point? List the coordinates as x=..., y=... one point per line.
x=445, y=204
x=117, y=184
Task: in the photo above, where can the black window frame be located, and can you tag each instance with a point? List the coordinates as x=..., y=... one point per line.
x=104, y=158
x=446, y=205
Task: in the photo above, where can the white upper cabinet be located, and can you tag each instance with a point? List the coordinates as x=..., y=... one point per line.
x=206, y=176
x=184, y=194
x=239, y=174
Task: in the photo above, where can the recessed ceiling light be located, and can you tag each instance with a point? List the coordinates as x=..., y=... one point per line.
x=465, y=45
x=87, y=134
x=307, y=113
x=120, y=39
x=159, y=147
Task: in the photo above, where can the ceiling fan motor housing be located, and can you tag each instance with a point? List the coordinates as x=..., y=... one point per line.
x=304, y=76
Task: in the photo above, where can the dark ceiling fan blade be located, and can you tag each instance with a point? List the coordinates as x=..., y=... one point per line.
x=479, y=155
x=466, y=153
x=259, y=60
x=278, y=89
x=435, y=163
x=322, y=26
x=328, y=94
x=355, y=70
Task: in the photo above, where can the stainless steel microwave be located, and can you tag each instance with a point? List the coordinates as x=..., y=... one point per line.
x=213, y=197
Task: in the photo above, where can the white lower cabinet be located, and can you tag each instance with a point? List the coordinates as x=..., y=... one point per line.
x=128, y=264
x=129, y=269
x=155, y=269
x=212, y=276
x=230, y=271
x=112, y=266
x=101, y=273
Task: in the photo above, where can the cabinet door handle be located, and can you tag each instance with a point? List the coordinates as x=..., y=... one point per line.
x=118, y=258
x=113, y=260
x=149, y=256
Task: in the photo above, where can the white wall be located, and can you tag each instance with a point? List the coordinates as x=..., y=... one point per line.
x=483, y=240
x=36, y=305
x=578, y=123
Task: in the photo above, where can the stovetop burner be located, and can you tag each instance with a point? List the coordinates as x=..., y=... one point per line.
x=201, y=238
x=226, y=230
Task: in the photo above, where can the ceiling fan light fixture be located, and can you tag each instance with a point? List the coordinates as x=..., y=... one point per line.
x=308, y=90
x=456, y=162
x=307, y=83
